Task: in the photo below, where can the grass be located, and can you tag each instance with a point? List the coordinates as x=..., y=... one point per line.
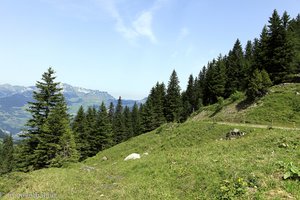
x=281, y=107
x=186, y=161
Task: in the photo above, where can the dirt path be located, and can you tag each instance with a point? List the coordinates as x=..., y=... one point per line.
x=256, y=126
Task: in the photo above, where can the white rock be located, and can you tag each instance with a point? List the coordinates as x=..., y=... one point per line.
x=133, y=156
x=146, y=153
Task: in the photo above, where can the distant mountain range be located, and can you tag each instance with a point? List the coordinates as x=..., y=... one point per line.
x=13, y=103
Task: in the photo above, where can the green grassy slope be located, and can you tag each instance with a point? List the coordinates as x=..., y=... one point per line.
x=186, y=161
x=281, y=107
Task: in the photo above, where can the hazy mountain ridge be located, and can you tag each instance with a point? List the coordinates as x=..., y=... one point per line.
x=14, y=99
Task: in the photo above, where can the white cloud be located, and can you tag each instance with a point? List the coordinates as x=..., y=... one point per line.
x=141, y=26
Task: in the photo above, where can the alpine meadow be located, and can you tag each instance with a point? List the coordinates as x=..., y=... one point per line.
x=232, y=133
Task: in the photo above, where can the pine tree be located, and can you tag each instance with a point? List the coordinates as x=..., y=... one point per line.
x=104, y=129
x=111, y=112
x=136, y=120
x=294, y=30
x=91, y=120
x=216, y=80
x=173, y=103
x=6, y=155
x=118, y=123
x=280, y=49
x=127, y=123
x=266, y=82
x=235, y=70
x=157, y=98
x=148, y=115
x=200, y=88
x=55, y=139
x=191, y=103
x=46, y=97
x=79, y=128
x=254, y=86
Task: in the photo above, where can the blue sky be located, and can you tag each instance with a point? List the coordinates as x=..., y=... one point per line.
x=124, y=46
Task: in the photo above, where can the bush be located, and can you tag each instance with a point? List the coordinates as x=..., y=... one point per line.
x=236, y=96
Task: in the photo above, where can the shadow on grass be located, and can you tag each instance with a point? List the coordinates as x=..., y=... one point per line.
x=244, y=104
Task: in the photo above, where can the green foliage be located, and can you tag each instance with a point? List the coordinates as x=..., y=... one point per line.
x=35, y=141
x=173, y=99
x=236, y=96
x=136, y=120
x=230, y=189
x=6, y=155
x=118, y=123
x=291, y=171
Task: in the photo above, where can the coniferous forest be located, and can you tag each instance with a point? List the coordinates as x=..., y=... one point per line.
x=53, y=138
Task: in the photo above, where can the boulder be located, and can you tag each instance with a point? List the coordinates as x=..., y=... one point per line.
x=235, y=133
x=133, y=156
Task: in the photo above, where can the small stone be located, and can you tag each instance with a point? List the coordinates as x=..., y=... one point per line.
x=146, y=153
x=104, y=158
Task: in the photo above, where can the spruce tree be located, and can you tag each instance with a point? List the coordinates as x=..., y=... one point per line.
x=79, y=127
x=111, y=112
x=254, y=86
x=127, y=123
x=148, y=115
x=191, y=95
x=118, y=123
x=6, y=155
x=157, y=98
x=55, y=139
x=136, y=120
x=91, y=120
x=104, y=129
x=46, y=97
x=235, y=70
x=173, y=103
x=280, y=49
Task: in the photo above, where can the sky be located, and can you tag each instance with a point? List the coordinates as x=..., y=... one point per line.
x=124, y=46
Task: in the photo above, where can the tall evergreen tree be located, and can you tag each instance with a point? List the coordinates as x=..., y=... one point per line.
x=200, y=88
x=136, y=120
x=118, y=123
x=6, y=155
x=91, y=120
x=111, y=112
x=294, y=30
x=157, y=98
x=191, y=101
x=235, y=70
x=46, y=97
x=55, y=139
x=148, y=120
x=280, y=48
x=127, y=123
x=216, y=80
x=173, y=104
x=79, y=127
x=104, y=129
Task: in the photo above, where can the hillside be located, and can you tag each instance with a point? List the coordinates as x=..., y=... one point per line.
x=186, y=161
x=281, y=107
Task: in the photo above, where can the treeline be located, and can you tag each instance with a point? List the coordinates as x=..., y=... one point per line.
x=53, y=138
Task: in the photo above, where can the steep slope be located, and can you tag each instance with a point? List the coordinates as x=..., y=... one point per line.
x=192, y=160
x=281, y=107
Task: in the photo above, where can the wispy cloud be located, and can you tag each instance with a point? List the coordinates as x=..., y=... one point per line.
x=141, y=26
